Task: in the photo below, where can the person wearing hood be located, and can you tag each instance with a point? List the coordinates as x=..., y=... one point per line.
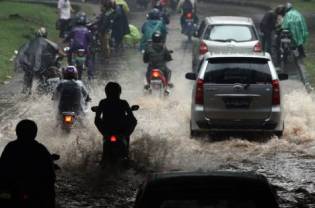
x=153, y=24
x=295, y=23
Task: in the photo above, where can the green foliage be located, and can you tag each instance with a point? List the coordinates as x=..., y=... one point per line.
x=18, y=23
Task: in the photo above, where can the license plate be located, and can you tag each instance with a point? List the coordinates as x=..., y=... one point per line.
x=237, y=102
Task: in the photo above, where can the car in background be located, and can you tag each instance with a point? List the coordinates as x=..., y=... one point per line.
x=217, y=189
x=225, y=34
x=237, y=93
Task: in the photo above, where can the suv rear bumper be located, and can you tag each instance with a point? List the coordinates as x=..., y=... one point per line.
x=199, y=122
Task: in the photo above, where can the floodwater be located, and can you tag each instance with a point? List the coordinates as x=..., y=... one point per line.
x=161, y=141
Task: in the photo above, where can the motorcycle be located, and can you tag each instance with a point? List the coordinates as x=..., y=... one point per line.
x=79, y=58
x=49, y=79
x=158, y=82
x=287, y=50
x=189, y=27
x=115, y=146
x=19, y=195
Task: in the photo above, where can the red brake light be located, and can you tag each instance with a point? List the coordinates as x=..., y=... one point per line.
x=258, y=47
x=68, y=119
x=155, y=73
x=189, y=15
x=113, y=138
x=199, y=92
x=275, y=92
x=203, y=48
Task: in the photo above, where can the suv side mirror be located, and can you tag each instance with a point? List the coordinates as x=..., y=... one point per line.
x=283, y=76
x=191, y=76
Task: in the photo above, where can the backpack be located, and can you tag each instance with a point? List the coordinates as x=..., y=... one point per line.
x=187, y=6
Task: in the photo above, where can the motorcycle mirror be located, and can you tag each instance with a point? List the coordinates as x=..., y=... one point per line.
x=94, y=108
x=135, y=107
x=171, y=51
x=55, y=157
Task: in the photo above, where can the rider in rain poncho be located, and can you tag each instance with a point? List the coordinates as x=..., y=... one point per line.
x=295, y=23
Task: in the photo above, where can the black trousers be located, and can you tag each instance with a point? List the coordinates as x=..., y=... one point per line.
x=64, y=27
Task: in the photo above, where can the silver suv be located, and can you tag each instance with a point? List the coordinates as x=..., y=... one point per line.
x=225, y=34
x=236, y=92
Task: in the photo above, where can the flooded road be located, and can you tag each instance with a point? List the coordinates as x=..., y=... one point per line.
x=161, y=141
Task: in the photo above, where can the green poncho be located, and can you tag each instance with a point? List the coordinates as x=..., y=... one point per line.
x=295, y=23
x=133, y=37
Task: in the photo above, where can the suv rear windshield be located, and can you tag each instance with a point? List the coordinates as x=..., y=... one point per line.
x=238, y=70
x=237, y=33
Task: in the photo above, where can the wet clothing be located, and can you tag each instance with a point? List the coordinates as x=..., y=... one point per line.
x=267, y=26
x=187, y=6
x=133, y=37
x=296, y=24
x=71, y=96
x=28, y=165
x=157, y=55
x=148, y=28
x=80, y=37
x=35, y=57
x=114, y=116
x=105, y=25
x=64, y=7
x=120, y=26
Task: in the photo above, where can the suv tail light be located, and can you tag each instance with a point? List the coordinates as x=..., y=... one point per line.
x=275, y=92
x=258, y=47
x=203, y=48
x=199, y=92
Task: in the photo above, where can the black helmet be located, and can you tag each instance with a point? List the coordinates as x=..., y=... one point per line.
x=280, y=10
x=26, y=130
x=113, y=90
x=157, y=37
x=70, y=72
x=154, y=14
x=41, y=32
x=81, y=18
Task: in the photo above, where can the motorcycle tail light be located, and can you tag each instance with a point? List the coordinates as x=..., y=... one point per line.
x=189, y=15
x=68, y=119
x=258, y=47
x=113, y=138
x=155, y=74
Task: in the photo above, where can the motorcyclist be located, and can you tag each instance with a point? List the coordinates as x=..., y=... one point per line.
x=156, y=55
x=163, y=12
x=80, y=37
x=71, y=94
x=185, y=7
x=294, y=22
x=114, y=115
x=35, y=57
x=27, y=167
x=153, y=24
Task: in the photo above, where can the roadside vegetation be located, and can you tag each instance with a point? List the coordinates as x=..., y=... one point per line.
x=18, y=23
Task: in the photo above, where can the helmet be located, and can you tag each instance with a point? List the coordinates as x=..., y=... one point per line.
x=154, y=14
x=113, y=90
x=41, y=32
x=288, y=6
x=157, y=37
x=81, y=18
x=280, y=10
x=70, y=72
